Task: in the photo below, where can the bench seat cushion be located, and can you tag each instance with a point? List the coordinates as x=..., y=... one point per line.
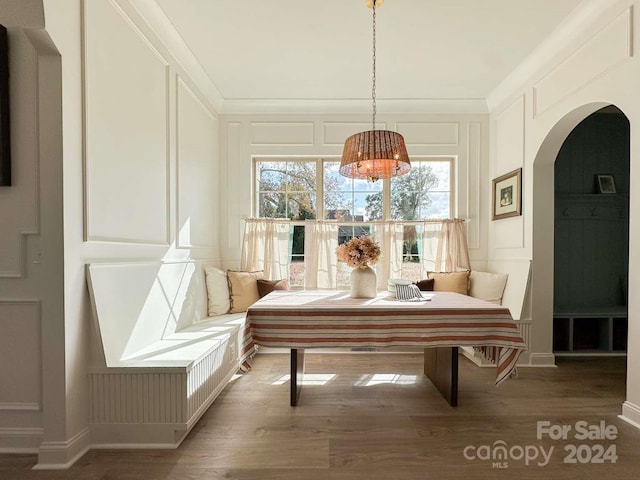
x=187, y=346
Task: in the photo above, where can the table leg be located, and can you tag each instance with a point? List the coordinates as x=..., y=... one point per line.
x=441, y=366
x=297, y=372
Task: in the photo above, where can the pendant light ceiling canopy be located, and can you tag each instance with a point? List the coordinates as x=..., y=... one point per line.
x=374, y=154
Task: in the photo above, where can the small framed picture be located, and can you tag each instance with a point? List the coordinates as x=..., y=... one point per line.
x=605, y=183
x=507, y=195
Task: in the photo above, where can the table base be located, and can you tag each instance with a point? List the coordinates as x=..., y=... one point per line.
x=440, y=366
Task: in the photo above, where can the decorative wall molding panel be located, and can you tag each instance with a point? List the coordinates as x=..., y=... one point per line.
x=509, y=125
x=197, y=171
x=474, y=183
x=21, y=202
x=509, y=134
x=429, y=134
x=127, y=157
x=283, y=134
x=21, y=339
x=335, y=133
x=601, y=53
x=20, y=440
x=234, y=157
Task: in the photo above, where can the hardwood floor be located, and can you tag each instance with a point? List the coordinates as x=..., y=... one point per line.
x=375, y=416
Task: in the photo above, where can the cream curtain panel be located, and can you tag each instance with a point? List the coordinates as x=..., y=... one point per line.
x=442, y=246
x=266, y=247
x=320, y=262
x=390, y=237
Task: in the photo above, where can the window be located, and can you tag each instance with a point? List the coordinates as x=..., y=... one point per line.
x=287, y=190
x=300, y=189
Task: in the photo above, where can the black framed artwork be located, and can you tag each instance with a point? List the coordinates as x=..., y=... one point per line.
x=605, y=183
x=5, y=144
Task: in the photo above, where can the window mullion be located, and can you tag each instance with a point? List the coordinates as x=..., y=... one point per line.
x=320, y=189
x=386, y=199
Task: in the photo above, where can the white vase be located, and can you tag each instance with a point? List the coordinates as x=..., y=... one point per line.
x=363, y=282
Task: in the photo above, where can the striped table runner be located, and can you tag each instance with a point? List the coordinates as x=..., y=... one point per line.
x=307, y=319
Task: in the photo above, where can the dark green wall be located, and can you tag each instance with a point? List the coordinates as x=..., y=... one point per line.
x=591, y=229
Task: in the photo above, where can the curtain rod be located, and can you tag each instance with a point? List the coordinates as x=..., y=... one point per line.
x=352, y=222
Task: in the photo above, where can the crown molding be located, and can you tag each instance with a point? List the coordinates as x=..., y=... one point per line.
x=568, y=31
x=353, y=106
x=156, y=19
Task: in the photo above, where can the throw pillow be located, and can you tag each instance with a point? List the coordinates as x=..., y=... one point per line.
x=217, y=291
x=426, y=285
x=487, y=286
x=267, y=286
x=457, y=282
x=243, y=289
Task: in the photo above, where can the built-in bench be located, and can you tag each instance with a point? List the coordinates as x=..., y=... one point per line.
x=514, y=298
x=590, y=330
x=159, y=361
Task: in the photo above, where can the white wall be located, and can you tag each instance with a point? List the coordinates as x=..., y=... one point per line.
x=246, y=136
x=589, y=63
x=31, y=269
x=136, y=143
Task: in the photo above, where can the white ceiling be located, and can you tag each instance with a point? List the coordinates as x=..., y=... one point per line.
x=299, y=49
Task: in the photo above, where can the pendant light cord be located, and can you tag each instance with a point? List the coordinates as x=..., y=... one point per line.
x=373, y=88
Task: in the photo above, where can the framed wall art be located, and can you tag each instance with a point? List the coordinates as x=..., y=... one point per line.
x=605, y=183
x=5, y=151
x=507, y=195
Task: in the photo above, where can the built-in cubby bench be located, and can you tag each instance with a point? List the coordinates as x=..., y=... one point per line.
x=590, y=330
x=158, y=361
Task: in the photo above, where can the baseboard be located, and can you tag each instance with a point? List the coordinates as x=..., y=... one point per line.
x=540, y=360
x=631, y=414
x=62, y=455
x=20, y=440
x=160, y=436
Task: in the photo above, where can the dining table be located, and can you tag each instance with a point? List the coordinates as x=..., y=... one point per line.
x=440, y=322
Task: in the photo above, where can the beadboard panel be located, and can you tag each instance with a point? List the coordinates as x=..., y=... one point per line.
x=605, y=50
x=197, y=171
x=21, y=341
x=429, y=134
x=138, y=397
x=126, y=130
x=209, y=376
x=157, y=397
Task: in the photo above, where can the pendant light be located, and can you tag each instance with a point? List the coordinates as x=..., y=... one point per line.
x=374, y=154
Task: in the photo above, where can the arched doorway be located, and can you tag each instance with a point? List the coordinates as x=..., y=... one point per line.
x=591, y=254
x=543, y=239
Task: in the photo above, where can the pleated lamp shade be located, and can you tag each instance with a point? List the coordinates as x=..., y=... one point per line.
x=374, y=155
